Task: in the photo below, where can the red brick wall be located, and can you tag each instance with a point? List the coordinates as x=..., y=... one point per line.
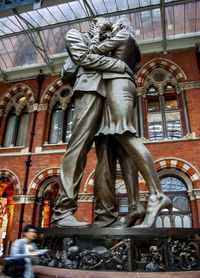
x=187, y=150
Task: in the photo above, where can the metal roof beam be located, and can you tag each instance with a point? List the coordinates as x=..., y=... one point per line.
x=163, y=22
x=3, y=75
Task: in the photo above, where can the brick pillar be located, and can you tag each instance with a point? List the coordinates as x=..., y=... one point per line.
x=47, y=128
x=198, y=210
x=194, y=213
x=3, y=124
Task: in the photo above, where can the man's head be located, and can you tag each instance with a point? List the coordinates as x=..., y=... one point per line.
x=99, y=25
x=102, y=23
x=30, y=232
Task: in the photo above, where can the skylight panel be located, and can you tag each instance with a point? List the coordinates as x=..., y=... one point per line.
x=133, y=4
x=46, y=16
x=122, y=4
x=67, y=11
x=110, y=5
x=58, y=14
x=97, y=6
x=77, y=9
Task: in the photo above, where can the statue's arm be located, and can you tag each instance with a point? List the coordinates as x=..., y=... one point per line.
x=82, y=56
x=110, y=44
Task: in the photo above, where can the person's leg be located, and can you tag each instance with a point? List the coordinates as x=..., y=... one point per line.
x=144, y=163
x=87, y=111
x=104, y=182
x=130, y=175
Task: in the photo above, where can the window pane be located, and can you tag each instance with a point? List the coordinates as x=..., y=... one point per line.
x=155, y=131
x=56, y=126
x=181, y=203
x=123, y=205
x=159, y=222
x=178, y=222
x=22, y=130
x=153, y=104
x=174, y=130
x=167, y=223
x=187, y=221
x=170, y=99
x=10, y=132
x=172, y=184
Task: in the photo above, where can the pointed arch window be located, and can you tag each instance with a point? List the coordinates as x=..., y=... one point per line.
x=163, y=114
x=61, y=123
x=16, y=129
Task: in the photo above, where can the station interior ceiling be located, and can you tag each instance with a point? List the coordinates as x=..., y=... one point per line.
x=33, y=36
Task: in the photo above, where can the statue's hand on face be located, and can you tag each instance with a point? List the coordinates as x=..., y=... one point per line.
x=115, y=28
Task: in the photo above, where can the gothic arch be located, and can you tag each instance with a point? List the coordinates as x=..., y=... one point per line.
x=41, y=177
x=160, y=63
x=181, y=165
x=56, y=86
x=13, y=179
x=13, y=91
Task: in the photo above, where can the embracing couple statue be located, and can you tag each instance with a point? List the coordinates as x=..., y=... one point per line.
x=104, y=93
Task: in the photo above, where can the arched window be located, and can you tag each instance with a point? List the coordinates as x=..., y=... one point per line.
x=163, y=115
x=49, y=197
x=16, y=129
x=176, y=190
x=61, y=123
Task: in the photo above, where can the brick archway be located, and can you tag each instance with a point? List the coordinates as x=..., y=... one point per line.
x=55, y=85
x=37, y=181
x=13, y=179
x=13, y=90
x=160, y=63
x=182, y=166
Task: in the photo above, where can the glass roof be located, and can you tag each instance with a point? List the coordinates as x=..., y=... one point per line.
x=33, y=36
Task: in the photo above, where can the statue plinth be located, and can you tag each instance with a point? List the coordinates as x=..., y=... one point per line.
x=152, y=250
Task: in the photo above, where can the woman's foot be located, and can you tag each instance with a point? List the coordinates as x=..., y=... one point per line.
x=133, y=215
x=154, y=206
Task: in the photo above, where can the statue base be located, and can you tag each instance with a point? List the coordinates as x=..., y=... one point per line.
x=124, y=250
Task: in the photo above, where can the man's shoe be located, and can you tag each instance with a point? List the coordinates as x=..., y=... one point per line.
x=69, y=222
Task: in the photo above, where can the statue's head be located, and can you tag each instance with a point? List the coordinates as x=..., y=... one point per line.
x=100, y=24
x=68, y=241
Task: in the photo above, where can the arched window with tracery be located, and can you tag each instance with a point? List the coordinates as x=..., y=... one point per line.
x=176, y=190
x=17, y=123
x=61, y=119
x=163, y=113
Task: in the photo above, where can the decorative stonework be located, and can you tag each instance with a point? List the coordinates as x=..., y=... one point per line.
x=36, y=182
x=53, y=94
x=12, y=178
x=24, y=199
x=8, y=100
x=163, y=64
x=189, y=85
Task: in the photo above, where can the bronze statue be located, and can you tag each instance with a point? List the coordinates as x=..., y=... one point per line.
x=106, y=83
x=88, y=94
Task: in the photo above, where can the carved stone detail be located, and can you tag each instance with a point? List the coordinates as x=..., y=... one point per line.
x=24, y=199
